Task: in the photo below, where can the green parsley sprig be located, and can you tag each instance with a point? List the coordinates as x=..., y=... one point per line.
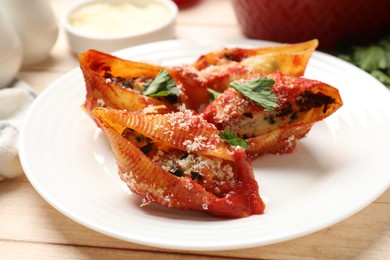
x=374, y=58
x=258, y=90
x=229, y=137
x=163, y=85
x=214, y=94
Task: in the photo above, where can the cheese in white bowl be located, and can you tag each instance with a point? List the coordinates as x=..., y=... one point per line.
x=118, y=18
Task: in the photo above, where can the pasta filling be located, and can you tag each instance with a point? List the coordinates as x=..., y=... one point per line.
x=213, y=174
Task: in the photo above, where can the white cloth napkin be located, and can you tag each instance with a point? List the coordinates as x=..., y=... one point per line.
x=14, y=101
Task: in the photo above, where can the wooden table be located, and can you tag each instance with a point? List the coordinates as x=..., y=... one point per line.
x=31, y=229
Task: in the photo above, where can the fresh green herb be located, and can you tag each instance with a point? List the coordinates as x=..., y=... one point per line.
x=375, y=59
x=229, y=137
x=214, y=94
x=258, y=90
x=163, y=85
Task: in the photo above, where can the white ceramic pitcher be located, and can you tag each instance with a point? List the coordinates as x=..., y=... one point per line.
x=36, y=25
x=10, y=52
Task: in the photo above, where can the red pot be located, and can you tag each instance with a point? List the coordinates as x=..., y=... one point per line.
x=330, y=21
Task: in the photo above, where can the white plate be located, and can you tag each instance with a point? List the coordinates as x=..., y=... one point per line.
x=339, y=168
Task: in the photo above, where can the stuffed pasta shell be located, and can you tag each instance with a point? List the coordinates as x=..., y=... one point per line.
x=123, y=84
x=178, y=160
x=215, y=70
x=299, y=104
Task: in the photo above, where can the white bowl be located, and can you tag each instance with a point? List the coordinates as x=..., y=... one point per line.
x=97, y=36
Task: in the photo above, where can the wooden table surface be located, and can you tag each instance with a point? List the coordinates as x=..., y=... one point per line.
x=32, y=229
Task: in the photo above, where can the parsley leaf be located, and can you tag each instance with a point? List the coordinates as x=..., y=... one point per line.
x=258, y=90
x=229, y=137
x=374, y=58
x=163, y=85
x=370, y=58
x=214, y=94
x=382, y=76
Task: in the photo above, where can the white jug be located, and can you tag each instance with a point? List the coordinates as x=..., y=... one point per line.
x=36, y=25
x=10, y=52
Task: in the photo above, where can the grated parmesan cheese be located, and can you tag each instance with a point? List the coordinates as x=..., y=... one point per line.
x=100, y=102
x=117, y=18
